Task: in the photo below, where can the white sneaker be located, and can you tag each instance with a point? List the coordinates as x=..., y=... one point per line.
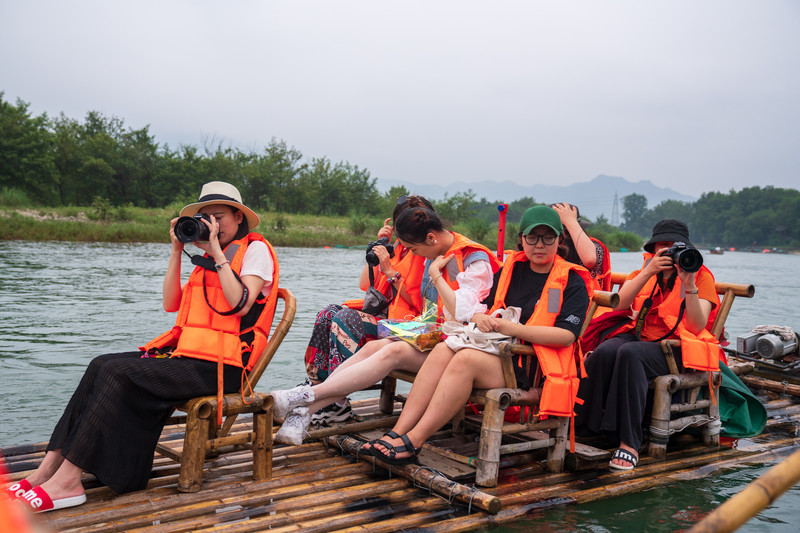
x=294, y=428
x=287, y=400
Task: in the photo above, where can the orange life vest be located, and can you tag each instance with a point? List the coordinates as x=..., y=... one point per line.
x=202, y=333
x=701, y=351
x=558, y=364
x=411, y=268
x=461, y=248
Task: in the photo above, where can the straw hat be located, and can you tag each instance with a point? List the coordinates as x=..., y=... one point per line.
x=219, y=192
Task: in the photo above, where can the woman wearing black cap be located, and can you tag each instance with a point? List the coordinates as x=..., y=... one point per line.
x=112, y=423
x=667, y=302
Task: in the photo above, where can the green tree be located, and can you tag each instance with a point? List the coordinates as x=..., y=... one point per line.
x=26, y=152
x=634, y=207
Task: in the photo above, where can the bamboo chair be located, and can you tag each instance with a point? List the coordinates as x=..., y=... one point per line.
x=682, y=398
x=495, y=402
x=203, y=438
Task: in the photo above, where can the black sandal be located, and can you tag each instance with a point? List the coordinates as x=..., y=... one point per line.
x=371, y=450
x=392, y=458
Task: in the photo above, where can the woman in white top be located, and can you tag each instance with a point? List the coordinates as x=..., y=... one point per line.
x=459, y=292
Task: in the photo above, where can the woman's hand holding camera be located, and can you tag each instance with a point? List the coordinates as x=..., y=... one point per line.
x=211, y=246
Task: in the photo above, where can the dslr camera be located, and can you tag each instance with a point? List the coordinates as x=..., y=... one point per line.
x=372, y=259
x=689, y=259
x=190, y=229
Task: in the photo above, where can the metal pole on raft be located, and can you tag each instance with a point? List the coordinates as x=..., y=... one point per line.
x=501, y=230
x=753, y=499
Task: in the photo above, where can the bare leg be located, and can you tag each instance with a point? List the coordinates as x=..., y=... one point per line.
x=65, y=483
x=365, y=351
x=368, y=371
x=424, y=386
x=468, y=369
x=51, y=462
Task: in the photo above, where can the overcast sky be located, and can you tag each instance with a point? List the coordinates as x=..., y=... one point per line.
x=692, y=95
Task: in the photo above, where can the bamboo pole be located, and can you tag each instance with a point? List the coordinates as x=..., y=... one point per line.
x=426, y=478
x=753, y=498
x=292, y=510
x=141, y=508
x=771, y=385
x=353, y=427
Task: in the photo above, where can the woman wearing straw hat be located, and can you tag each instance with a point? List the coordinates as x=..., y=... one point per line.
x=114, y=419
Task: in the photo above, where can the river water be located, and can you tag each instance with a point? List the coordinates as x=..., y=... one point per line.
x=61, y=304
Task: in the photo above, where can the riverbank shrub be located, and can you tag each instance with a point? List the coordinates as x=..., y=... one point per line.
x=13, y=197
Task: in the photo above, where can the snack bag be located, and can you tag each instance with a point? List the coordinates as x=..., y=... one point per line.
x=422, y=332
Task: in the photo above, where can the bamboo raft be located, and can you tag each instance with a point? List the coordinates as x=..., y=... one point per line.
x=323, y=485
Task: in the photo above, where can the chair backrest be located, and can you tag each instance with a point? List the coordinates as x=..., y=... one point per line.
x=280, y=331
x=727, y=291
x=599, y=299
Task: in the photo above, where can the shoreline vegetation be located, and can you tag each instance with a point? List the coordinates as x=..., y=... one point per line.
x=137, y=224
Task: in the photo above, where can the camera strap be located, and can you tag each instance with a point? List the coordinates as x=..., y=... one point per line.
x=642, y=316
x=207, y=263
x=239, y=306
x=646, y=306
x=372, y=282
x=201, y=261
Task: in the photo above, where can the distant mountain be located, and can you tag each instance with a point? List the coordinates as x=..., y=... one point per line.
x=594, y=197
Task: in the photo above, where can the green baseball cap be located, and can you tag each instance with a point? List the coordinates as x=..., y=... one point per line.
x=540, y=215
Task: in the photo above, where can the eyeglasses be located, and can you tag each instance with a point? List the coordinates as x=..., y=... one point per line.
x=533, y=239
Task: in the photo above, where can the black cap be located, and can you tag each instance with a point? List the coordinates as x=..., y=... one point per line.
x=668, y=231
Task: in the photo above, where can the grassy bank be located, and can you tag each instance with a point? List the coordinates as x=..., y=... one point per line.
x=132, y=224
x=103, y=223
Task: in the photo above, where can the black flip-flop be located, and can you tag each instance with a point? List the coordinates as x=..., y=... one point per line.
x=623, y=455
x=392, y=458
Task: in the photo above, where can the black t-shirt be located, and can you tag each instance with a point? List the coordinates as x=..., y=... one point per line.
x=526, y=287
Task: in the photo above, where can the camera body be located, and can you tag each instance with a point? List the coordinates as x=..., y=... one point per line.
x=372, y=259
x=190, y=229
x=689, y=259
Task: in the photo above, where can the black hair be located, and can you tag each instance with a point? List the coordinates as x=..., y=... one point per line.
x=244, y=225
x=404, y=202
x=414, y=224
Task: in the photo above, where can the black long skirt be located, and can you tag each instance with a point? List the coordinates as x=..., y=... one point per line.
x=112, y=423
x=615, y=390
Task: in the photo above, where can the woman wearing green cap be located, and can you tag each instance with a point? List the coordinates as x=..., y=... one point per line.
x=553, y=297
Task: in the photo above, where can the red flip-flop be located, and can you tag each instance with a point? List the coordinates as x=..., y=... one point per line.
x=18, y=489
x=39, y=501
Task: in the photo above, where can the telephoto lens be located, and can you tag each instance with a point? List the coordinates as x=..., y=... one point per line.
x=190, y=229
x=689, y=259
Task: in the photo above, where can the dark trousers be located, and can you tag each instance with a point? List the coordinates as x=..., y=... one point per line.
x=615, y=389
x=112, y=423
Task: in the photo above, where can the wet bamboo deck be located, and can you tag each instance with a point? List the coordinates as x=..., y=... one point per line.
x=315, y=487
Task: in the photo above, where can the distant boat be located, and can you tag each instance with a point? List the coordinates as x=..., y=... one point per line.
x=716, y=251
